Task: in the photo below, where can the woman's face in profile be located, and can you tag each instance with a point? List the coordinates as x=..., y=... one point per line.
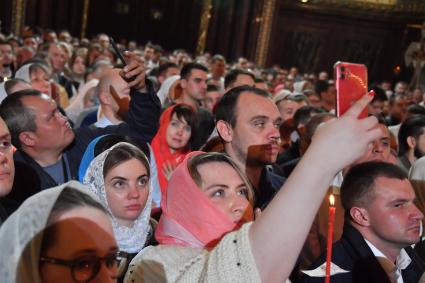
x=127, y=190
x=79, y=235
x=226, y=190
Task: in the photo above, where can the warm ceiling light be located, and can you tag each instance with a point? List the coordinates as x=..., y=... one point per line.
x=304, y=1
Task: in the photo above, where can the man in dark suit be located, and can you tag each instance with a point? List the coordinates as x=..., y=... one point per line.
x=381, y=223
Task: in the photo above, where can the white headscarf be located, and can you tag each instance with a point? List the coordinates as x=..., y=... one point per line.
x=76, y=104
x=298, y=86
x=24, y=73
x=24, y=227
x=165, y=87
x=3, y=93
x=131, y=240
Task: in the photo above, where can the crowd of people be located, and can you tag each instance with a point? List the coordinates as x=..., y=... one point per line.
x=166, y=167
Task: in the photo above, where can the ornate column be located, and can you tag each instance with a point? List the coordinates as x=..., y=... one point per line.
x=203, y=26
x=18, y=16
x=265, y=21
x=85, y=17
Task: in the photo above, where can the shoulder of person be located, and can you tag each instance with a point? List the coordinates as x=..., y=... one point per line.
x=163, y=263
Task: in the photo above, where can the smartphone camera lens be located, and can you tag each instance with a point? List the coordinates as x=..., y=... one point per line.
x=342, y=69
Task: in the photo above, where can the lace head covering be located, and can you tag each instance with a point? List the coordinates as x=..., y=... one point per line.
x=88, y=157
x=23, y=228
x=129, y=239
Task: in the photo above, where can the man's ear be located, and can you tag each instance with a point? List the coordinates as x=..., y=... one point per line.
x=411, y=142
x=27, y=139
x=224, y=130
x=360, y=216
x=183, y=83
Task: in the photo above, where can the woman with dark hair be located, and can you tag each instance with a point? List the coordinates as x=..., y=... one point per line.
x=170, y=145
x=61, y=234
x=77, y=69
x=119, y=176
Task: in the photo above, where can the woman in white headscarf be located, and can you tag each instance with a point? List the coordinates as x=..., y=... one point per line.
x=38, y=75
x=120, y=176
x=61, y=234
x=164, y=90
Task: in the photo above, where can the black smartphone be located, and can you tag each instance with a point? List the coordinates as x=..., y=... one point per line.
x=117, y=51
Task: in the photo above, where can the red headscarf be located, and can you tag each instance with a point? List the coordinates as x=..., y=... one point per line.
x=162, y=150
x=188, y=217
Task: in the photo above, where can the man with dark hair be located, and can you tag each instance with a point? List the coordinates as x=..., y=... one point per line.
x=397, y=109
x=238, y=77
x=304, y=114
x=327, y=93
x=411, y=141
x=6, y=60
x=212, y=97
x=193, y=82
x=50, y=148
x=167, y=70
x=261, y=83
x=217, y=70
x=381, y=222
x=248, y=122
x=376, y=107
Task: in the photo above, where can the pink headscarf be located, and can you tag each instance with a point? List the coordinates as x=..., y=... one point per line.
x=188, y=217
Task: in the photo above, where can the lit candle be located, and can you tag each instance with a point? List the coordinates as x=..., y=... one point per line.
x=331, y=222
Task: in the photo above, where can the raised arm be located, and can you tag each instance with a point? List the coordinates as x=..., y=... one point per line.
x=278, y=235
x=142, y=120
x=145, y=107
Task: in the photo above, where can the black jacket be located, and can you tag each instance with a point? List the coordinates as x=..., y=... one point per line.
x=352, y=253
x=141, y=125
x=270, y=183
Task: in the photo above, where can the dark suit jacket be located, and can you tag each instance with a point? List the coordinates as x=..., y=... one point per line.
x=353, y=254
x=141, y=125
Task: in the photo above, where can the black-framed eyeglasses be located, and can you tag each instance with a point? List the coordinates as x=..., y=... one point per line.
x=86, y=268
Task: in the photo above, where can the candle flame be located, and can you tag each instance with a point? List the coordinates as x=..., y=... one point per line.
x=332, y=200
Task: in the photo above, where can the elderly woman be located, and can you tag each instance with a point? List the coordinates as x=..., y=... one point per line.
x=37, y=74
x=201, y=237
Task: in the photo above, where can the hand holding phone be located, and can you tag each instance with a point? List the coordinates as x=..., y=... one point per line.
x=117, y=51
x=351, y=85
x=121, y=57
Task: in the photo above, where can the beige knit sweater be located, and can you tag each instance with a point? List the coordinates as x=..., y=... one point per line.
x=230, y=261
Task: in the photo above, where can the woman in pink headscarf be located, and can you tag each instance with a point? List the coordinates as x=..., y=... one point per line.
x=206, y=233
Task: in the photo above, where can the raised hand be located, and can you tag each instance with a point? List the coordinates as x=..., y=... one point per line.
x=134, y=73
x=341, y=141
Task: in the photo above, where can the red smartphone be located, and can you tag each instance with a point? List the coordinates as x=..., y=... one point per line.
x=351, y=85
